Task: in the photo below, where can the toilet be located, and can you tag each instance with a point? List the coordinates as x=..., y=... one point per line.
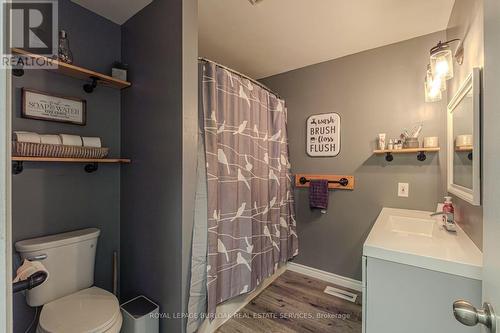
x=70, y=301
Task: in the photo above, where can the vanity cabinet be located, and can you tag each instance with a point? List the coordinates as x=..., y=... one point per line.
x=402, y=298
x=413, y=271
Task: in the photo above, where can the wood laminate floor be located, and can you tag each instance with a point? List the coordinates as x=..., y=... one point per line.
x=296, y=303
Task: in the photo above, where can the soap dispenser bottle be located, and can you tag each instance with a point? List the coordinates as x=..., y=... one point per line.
x=449, y=213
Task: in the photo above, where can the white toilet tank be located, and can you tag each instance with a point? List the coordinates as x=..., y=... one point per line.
x=70, y=259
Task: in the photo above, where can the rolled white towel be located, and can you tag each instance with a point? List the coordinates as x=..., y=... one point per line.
x=71, y=140
x=27, y=137
x=50, y=139
x=28, y=268
x=91, y=141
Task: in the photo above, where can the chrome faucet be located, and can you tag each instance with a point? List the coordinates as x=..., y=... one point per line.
x=448, y=220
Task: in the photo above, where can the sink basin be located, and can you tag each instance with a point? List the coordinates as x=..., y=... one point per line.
x=411, y=225
x=415, y=238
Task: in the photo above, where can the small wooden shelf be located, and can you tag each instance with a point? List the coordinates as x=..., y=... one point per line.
x=91, y=164
x=463, y=148
x=69, y=159
x=76, y=71
x=406, y=150
x=420, y=151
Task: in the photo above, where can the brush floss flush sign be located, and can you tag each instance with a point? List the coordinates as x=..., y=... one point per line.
x=323, y=135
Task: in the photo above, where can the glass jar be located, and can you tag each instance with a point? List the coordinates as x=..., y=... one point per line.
x=64, y=52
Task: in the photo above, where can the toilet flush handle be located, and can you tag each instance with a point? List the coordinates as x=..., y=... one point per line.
x=39, y=257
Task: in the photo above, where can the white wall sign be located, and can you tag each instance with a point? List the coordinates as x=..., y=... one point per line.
x=44, y=106
x=323, y=135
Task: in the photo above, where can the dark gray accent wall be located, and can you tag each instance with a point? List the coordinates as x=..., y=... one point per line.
x=376, y=91
x=152, y=134
x=50, y=198
x=467, y=23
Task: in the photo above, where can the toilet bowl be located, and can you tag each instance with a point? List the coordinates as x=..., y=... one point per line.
x=90, y=310
x=71, y=303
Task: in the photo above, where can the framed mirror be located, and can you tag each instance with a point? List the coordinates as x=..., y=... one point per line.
x=464, y=140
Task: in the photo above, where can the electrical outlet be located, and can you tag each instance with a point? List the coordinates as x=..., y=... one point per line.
x=403, y=190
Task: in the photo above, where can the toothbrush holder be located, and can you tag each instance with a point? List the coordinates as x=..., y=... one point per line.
x=412, y=143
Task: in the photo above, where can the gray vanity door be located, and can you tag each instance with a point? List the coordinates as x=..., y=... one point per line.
x=402, y=298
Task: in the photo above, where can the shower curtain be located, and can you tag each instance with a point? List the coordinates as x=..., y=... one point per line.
x=246, y=224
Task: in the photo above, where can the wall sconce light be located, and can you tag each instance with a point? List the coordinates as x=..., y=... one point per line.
x=433, y=86
x=441, y=59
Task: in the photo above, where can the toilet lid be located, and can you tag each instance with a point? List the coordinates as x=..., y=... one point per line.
x=88, y=310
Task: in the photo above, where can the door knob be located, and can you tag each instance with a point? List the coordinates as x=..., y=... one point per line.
x=468, y=315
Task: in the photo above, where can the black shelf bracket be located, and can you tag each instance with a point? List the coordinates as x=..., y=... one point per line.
x=421, y=156
x=389, y=157
x=17, y=167
x=18, y=71
x=89, y=87
x=92, y=167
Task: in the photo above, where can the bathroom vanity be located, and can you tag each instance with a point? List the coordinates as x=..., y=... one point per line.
x=413, y=271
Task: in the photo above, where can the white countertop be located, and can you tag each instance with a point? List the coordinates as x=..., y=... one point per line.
x=414, y=238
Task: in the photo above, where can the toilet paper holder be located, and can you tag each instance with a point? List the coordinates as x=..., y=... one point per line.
x=31, y=282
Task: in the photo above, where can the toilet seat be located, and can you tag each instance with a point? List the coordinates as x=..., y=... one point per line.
x=89, y=310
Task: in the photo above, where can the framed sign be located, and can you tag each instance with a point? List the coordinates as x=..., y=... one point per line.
x=43, y=106
x=323, y=135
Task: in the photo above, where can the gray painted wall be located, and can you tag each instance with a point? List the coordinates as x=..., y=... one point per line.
x=53, y=198
x=152, y=134
x=467, y=23
x=379, y=90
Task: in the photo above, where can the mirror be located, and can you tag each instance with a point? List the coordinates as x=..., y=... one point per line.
x=462, y=134
x=464, y=154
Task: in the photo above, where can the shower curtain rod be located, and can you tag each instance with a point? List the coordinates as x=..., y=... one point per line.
x=243, y=75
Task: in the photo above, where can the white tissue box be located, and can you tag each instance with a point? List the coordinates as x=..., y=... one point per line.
x=118, y=73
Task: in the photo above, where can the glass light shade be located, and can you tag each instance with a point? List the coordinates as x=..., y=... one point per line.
x=432, y=80
x=432, y=91
x=442, y=63
x=432, y=95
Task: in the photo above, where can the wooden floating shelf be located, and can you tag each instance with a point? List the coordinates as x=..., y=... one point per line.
x=91, y=164
x=406, y=150
x=420, y=151
x=69, y=159
x=76, y=71
x=335, y=181
x=463, y=148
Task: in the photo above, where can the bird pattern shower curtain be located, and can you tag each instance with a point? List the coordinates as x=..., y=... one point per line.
x=250, y=205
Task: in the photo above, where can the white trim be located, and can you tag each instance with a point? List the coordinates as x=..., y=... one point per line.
x=228, y=309
x=5, y=193
x=326, y=276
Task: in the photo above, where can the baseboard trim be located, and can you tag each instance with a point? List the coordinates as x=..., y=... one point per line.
x=326, y=276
